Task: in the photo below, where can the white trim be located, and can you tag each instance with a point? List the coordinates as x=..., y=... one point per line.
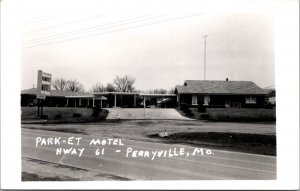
x=194, y=100
x=250, y=100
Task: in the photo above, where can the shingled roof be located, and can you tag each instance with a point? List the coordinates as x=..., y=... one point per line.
x=219, y=87
x=55, y=93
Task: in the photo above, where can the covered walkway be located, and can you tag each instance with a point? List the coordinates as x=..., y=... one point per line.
x=85, y=101
x=159, y=100
x=119, y=99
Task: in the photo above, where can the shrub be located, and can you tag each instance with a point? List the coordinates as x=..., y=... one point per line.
x=96, y=111
x=204, y=116
x=190, y=114
x=183, y=106
x=76, y=115
x=201, y=109
x=269, y=106
x=187, y=111
x=44, y=116
x=241, y=114
x=57, y=117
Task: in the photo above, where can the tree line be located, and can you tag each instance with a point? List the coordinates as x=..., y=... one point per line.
x=119, y=84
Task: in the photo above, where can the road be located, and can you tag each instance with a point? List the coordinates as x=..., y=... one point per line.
x=147, y=113
x=114, y=164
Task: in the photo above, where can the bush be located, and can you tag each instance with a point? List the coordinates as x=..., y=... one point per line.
x=187, y=111
x=57, y=117
x=76, y=115
x=190, y=114
x=44, y=116
x=241, y=114
x=201, y=109
x=184, y=106
x=269, y=106
x=96, y=111
x=204, y=116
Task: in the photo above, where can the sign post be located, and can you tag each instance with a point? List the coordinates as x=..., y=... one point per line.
x=43, y=89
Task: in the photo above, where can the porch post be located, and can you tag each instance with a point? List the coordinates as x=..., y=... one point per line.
x=88, y=102
x=115, y=103
x=144, y=102
x=134, y=101
x=79, y=101
x=67, y=102
x=93, y=102
x=101, y=103
x=75, y=102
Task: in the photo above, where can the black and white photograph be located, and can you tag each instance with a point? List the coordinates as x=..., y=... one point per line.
x=114, y=92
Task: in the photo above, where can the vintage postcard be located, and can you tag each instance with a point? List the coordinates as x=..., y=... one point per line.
x=145, y=93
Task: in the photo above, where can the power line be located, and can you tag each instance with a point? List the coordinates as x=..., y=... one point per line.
x=112, y=31
x=35, y=18
x=42, y=19
x=94, y=28
x=64, y=24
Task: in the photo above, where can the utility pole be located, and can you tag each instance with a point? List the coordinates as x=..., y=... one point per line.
x=205, y=56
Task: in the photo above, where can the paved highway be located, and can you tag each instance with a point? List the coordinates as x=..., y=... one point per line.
x=216, y=165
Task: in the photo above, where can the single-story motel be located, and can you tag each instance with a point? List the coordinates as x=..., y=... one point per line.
x=226, y=94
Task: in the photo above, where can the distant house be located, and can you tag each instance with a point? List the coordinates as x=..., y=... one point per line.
x=209, y=93
x=62, y=99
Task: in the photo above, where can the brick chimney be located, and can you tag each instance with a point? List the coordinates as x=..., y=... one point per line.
x=226, y=79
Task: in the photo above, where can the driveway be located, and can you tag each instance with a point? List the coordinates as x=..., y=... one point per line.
x=147, y=113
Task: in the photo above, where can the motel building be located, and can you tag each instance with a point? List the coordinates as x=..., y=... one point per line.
x=221, y=94
x=58, y=98
x=193, y=93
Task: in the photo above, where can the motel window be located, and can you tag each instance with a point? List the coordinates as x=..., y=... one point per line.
x=46, y=79
x=250, y=100
x=45, y=88
x=206, y=100
x=194, y=100
x=229, y=104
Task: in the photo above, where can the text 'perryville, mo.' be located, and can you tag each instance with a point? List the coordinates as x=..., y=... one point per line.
x=78, y=146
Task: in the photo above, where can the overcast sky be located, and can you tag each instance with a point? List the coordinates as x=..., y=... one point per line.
x=160, y=43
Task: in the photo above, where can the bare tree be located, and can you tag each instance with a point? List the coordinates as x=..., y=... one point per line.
x=110, y=88
x=59, y=84
x=74, y=86
x=124, y=84
x=98, y=88
x=157, y=91
x=171, y=91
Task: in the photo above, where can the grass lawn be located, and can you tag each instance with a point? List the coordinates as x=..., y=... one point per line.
x=235, y=114
x=63, y=115
x=35, y=177
x=241, y=114
x=243, y=142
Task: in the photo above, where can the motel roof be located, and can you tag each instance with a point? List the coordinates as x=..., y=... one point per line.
x=219, y=87
x=57, y=93
x=158, y=95
x=116, y=93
